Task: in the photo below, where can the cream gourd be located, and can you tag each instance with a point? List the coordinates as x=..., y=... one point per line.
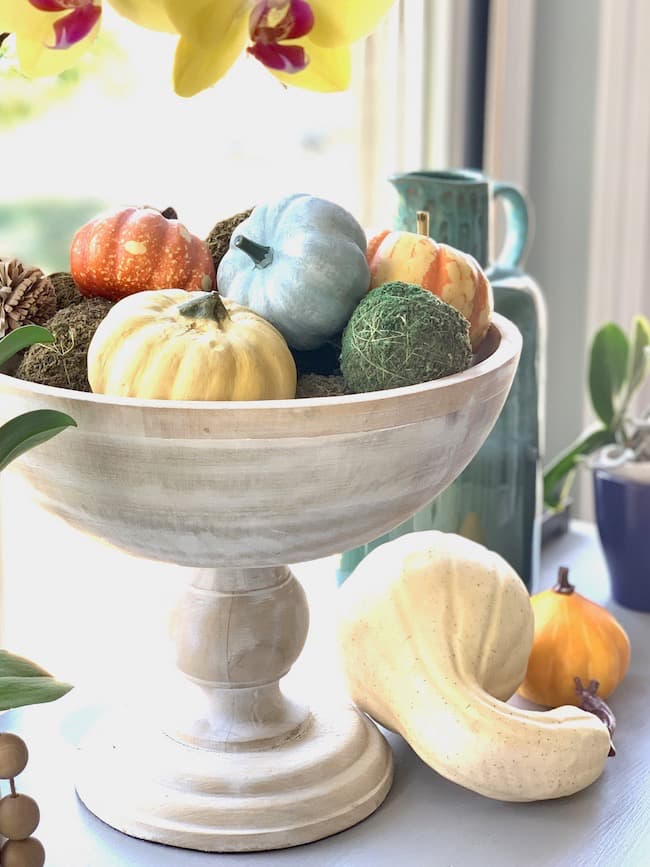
x=435, y=633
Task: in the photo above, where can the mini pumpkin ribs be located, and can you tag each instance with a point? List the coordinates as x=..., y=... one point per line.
x=168, y=345
x=452, y=275
x=138, y=249
x=299, y=262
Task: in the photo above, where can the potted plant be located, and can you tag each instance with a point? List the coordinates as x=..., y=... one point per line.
x=617, y=450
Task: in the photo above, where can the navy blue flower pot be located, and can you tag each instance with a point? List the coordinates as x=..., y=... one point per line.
x=623, y=518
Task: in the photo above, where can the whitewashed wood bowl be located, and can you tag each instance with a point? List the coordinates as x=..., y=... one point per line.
x=234, y=491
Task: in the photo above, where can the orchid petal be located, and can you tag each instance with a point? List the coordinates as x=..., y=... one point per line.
x=196, y=68
x=287, y=58
x=75, y=26
x=151, y=14
x=37, y=60
x=328, y=70
x=337, y=24
x=209, y=24
x=49, y=5
x=274, y=23
x=18, y=17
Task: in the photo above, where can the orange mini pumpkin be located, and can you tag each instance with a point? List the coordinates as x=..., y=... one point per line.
x=454, y=276
x=135, y=249
x=574, y=638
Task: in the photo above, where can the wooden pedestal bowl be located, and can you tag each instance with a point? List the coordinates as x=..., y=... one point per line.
x=233, y=492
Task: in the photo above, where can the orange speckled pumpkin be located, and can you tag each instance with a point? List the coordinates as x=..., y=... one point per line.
x=574, y=637
x=136, y=249
x=454, y=276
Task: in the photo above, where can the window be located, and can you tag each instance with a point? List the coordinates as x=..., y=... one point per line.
x=85, y=611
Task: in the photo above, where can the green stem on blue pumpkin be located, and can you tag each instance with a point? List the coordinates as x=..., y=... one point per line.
x=261, y=255
x=207, y=306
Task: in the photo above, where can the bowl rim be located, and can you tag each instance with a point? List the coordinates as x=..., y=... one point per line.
x=391, y=402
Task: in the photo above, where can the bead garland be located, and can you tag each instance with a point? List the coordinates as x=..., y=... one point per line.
x=19, y=814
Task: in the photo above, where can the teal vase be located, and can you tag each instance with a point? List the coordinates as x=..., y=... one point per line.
x=497, y=499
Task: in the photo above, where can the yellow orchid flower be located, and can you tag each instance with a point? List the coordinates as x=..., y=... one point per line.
x=304, y=43
x=51, y=35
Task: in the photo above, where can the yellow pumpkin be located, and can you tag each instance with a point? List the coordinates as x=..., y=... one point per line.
x=158, y=344
x=574, y=638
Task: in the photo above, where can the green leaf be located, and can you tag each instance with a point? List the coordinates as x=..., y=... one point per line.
x=21, y=338
x=20, y=691
x=555, y=476
x=12, y=665
x=638, y=367
x=28, y=430
x=607, y=369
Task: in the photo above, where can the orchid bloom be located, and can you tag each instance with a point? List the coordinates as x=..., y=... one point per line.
x=304, y=43
x=51, y=35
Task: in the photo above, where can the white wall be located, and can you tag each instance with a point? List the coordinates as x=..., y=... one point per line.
x=562, y=125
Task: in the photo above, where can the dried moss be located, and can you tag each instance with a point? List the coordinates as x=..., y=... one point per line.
x=219, y=238
x=400, y=334
x=317, y=385
x=64, y=363
x=66, y=290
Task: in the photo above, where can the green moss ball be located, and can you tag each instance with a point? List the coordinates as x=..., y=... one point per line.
x=64, y=363
x=400, y=334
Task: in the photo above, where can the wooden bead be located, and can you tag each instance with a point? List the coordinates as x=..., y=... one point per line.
x=19, y=816
x=13, y=755
x=22, y=853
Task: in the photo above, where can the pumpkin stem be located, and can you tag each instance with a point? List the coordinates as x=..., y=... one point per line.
x=169, y=214
x=259, y=253
x=563, y=584
x=422, y=222
x=207, y=305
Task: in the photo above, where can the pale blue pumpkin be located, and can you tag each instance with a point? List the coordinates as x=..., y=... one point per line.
x=300, y=262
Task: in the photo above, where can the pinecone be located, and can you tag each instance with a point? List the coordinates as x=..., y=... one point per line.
x=27, y=296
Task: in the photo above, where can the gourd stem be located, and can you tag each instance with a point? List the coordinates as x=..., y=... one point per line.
x=169, y=214
x=207, y=306
x=563, y=584
x=259, y=253
x=593, y=703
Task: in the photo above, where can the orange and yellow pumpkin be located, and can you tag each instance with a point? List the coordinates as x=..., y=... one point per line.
x=136, y=249
x=454, y=276
x=574, y=637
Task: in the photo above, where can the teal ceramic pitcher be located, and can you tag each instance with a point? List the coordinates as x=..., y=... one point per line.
x=459, y=204
x=497, y=499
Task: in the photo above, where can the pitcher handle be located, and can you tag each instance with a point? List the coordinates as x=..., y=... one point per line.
x=516, y=210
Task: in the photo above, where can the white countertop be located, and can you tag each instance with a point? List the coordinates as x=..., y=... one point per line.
x=425, y=820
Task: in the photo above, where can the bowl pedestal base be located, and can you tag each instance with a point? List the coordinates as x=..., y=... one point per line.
x=253, y=770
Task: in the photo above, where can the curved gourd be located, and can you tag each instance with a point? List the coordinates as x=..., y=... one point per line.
x=435, y=633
